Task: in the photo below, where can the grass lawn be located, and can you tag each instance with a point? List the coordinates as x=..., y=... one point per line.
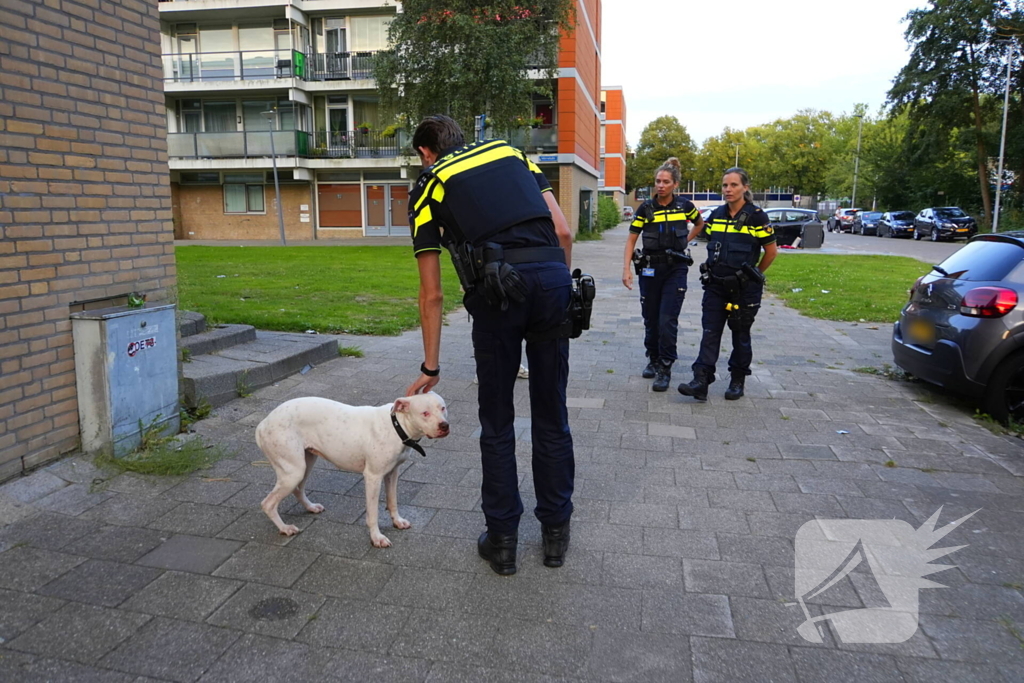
x=357, y=290
x=871, y=288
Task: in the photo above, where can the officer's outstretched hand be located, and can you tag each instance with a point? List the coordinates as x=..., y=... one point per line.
x=422, y=385
x=627, y=277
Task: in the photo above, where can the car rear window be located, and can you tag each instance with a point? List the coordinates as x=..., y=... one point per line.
x=902, y=216
x=872, y=215
x=984, y=260
x=951, y=212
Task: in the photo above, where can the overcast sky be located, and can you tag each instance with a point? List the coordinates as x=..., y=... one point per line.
x=740, y=63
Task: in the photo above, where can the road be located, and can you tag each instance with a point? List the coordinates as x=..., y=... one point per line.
x=929, y=252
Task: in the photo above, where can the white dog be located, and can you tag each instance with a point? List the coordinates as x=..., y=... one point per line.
x=367, y=439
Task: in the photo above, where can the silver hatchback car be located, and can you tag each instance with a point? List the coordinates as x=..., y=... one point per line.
x=963, y=327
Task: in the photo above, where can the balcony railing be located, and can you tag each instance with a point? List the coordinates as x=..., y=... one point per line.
x=357, y=144
x=241, y=144
x=247, y=65
x=244, y=65
x=351, y=144
x=339, y=66
x=535, y=140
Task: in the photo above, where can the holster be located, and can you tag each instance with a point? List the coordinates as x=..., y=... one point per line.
x=577, y=315
x=639, y=261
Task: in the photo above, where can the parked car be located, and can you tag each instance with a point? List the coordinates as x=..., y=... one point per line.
x=627, y=213
x=866, y=222
x=895, y=224
x=842, y=220
x=788, y=224
x=963, y=326
x=705, y=213
x=944, y=222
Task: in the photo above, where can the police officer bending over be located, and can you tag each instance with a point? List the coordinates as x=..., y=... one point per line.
x=493, y=210
x=662, y=222
x=733, y=279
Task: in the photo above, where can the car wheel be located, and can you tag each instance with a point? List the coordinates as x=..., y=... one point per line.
x=917, y=235
x=1005, y=394
x=935, y=234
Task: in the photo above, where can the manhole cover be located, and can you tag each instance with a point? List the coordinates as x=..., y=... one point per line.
x=274, y=609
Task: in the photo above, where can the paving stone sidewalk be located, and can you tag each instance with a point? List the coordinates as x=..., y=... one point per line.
x=683, y=538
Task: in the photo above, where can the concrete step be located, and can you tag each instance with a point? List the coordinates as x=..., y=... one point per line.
x=191, y=323
x=225, y=375
x=217, y=339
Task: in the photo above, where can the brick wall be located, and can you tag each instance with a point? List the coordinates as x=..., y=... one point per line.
x=85, y=207
x=200, y=213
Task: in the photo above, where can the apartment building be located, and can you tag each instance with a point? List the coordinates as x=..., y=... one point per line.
x=252, y=82
x=613, y=143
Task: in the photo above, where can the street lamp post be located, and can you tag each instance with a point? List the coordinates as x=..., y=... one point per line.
x=277, y=185
x=1002, y=140
x=856, y=160
x=737, y=145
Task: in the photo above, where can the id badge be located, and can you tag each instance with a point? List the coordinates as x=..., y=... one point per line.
x=647, y=272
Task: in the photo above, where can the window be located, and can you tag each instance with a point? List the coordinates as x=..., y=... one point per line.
x=243, y=193
x=370, y=33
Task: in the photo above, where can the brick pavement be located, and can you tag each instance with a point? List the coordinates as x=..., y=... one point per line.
x=682, y=552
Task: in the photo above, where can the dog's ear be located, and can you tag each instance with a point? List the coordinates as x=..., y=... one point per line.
x=401, y=405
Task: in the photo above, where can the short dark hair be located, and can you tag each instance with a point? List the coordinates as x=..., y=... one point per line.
x=438, y=133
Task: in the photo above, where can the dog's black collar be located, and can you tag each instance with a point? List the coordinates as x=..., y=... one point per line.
x=415, y=445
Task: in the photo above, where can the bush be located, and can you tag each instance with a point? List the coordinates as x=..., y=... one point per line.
x=608, y=213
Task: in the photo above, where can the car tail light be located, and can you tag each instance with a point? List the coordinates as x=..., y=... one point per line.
x=914, y=287
x=988, y=302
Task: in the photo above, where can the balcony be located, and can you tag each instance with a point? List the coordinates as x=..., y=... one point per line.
x=339, y=66
x=539, y=140
x=352, y=144
x=245, y=65
x=236, y=145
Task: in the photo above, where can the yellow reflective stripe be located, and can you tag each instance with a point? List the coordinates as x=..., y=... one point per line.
x=438, y=194
x=669, y=216
x=637, y=223
x=425, y=249
x=448, y=161
x=534, y=168
x=426, y=193
x=546, y=189
x=761, y=232
x=475, y=161
x=692, y=215
x=422, y=218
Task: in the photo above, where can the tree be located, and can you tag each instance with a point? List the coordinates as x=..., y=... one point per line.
x=718, y=154
x=464, y=58
x=952, y=61
x=662, y=138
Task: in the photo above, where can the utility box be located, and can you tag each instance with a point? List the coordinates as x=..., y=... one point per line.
x=126, y=367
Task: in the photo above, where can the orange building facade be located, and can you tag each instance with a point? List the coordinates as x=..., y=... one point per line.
x=613, y=143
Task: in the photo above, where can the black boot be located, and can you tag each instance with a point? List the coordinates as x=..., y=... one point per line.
x=664, y=376
x=651, y=370
x=698, y=386
x=735, y=390
x=499, y=550
x=556, y=542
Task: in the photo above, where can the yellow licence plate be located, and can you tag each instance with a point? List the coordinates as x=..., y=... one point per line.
x=921, y=332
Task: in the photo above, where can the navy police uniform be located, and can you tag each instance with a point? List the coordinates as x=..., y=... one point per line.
x=731, y=295
x=662, y=229
x=489, y=194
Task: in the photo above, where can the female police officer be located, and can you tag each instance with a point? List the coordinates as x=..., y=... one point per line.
x=733, y=279
x=663, y=222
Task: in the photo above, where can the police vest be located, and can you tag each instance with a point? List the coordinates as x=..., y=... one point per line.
x=735, y=242
x=488, y=187
x=665, y=227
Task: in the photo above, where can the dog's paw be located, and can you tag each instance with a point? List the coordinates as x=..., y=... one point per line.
x=315, y=508
x=401, y=523
x=381, y=542
x=289, y=530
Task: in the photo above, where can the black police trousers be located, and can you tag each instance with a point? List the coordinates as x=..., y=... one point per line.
x=497, y=344
x=661, y=298
x=714, y=319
